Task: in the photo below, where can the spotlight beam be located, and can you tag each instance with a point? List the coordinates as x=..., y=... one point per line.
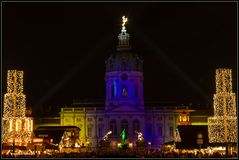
x=162, y=56
x=104, y=41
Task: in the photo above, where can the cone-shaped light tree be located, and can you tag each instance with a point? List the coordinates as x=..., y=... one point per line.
x=222, y=127
x=16, y=127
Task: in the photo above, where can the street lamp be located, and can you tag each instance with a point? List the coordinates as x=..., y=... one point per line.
x=199, y=141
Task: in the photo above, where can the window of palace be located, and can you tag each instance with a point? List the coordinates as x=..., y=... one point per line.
x=160, y=131
x=124, y=125
x=136, y=91
x=170, y=117
x=100, y=130
x=112, y=90
x=113, y=127
x=90, y=119
x=89, y=131
x=78, y=119
x=136, y=126
x=67, y=119
x=149, y=130
x=171, y=131
x=124, y=91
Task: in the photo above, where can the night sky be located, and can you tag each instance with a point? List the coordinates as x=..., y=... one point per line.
x=62, y=48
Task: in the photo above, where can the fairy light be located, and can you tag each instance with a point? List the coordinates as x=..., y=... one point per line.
x=26, y=126
x=31, y=124
x=10, y=127
x=14, y=121
x=222, y=127
x=17, y=124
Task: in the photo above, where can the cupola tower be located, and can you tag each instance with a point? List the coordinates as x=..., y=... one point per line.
x=124, y=74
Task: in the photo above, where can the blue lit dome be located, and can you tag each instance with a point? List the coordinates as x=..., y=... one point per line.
x=124, y=61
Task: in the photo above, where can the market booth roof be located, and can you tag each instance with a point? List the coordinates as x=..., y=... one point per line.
x=55, y=132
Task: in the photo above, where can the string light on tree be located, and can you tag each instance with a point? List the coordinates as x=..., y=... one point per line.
x=16, y=127
x=222, y=127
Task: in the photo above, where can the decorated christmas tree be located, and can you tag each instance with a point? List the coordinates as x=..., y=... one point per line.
x=16, y=127
x=222, y=127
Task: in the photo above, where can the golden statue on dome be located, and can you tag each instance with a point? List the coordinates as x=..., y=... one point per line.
x=124, y=20
x=123, y=36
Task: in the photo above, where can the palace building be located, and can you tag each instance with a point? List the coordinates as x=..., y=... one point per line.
x=124, y=106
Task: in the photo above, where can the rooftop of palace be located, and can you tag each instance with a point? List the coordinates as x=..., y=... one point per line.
x=99, y=105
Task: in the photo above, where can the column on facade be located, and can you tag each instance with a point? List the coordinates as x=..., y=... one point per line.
x=74, y=119
x=130, y=126
x=164, y=126
x=118, y=125
x=96, y=127
x=107, y=128
x=85, y=125
x=153, y=129
x=140, y=90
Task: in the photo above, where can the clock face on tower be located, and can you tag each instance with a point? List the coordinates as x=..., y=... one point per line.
x=124, y=77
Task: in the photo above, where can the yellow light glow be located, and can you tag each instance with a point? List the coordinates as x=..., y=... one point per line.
x=37, y=140
x=222, y=127
x=10, y=128
x=130, y=145
x=31, y=125
x=17, y=125
x=184, y=118
x=14, y=110
x=26, y=126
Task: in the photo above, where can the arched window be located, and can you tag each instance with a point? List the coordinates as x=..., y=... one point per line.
x=160, y=131
x=136, y=126
x=148, y=130
x=124, y=125
x=100, y=130
x=113, y=127
x=89, y=130
x=171, y=131
x=112, y=91
x=124, y=91
x=136, y=91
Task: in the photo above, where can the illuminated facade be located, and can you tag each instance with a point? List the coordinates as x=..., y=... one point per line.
x=124, y=106
x=16, y=127
x=222, y=127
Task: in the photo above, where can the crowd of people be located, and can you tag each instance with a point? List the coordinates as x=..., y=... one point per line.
x=121, y=154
